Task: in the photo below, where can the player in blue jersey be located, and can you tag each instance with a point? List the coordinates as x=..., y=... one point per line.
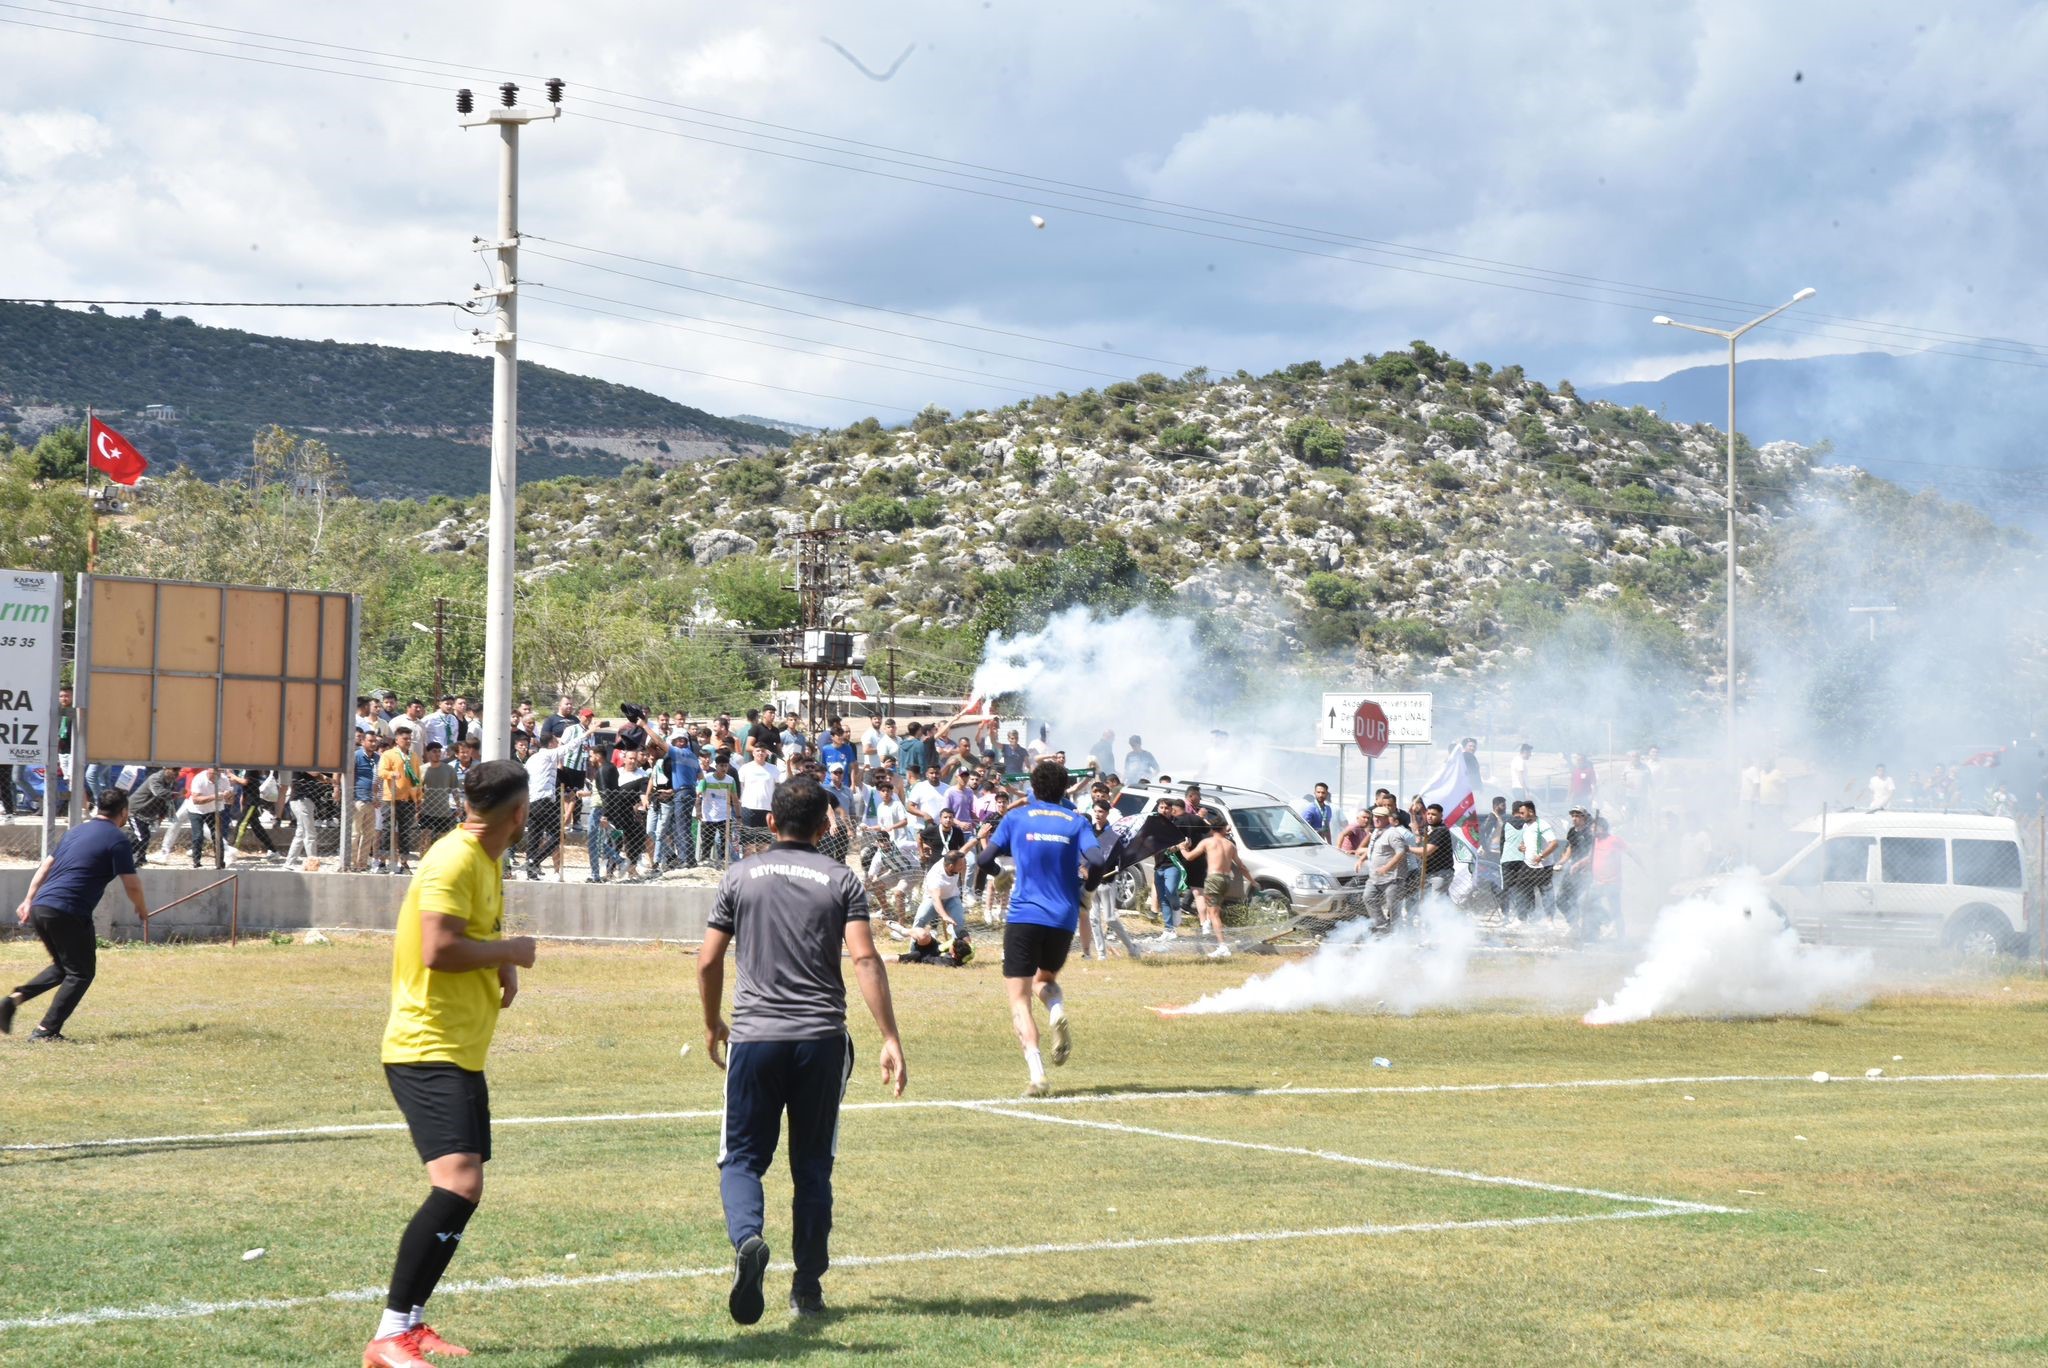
x=1048, y=843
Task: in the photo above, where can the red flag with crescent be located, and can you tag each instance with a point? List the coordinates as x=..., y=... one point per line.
x=113, y=454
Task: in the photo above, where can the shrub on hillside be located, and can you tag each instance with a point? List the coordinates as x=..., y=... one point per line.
x=1315, y=441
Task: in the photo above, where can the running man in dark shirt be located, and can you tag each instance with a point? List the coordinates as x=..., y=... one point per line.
x=786, y=912
x=60, y=902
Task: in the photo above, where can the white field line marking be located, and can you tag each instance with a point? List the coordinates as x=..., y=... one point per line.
x=1393, y=1165
x=1070, y=1100
x=192, y=1310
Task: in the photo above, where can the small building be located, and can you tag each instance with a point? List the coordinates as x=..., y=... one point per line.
x=160, y=413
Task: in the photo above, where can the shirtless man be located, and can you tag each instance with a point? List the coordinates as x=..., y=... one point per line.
x=1219, y=855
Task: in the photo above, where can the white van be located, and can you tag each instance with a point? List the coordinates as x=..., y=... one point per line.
x=1908, y=879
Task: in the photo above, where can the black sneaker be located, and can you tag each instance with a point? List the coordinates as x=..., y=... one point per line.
x=54, y=1037
x=750, y=1265
x=811, y=1303
x=7, y=1006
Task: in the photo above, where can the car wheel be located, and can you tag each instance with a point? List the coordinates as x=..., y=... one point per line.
x=1271, y=900
x=1127, y=890
x=1978, y=933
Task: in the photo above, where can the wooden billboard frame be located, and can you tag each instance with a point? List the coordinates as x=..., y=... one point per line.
x=176, y=673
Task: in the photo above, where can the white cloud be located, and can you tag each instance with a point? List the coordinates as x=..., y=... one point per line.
x=1663, y=146
x=36, y=143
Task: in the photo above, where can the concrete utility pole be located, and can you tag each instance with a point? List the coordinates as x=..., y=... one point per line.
x=1730, y=335
x=504, y=507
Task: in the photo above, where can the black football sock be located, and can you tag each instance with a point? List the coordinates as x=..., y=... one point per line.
x=430, y=1241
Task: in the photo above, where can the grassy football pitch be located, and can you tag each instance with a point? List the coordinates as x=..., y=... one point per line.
x=1245, y=1188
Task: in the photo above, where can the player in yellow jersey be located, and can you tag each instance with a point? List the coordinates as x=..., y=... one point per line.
x=451, y=972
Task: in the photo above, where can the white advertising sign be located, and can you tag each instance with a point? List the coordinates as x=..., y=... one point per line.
x=1409, y=717
x=31, y=640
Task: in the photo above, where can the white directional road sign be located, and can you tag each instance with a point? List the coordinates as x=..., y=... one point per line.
x=31, y=629
x=1409, y=717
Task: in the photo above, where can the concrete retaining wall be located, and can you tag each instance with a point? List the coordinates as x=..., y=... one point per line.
x=274, y=899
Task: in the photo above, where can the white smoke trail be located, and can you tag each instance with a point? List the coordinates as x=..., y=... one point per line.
x=1404, y=972
x=1726, y=954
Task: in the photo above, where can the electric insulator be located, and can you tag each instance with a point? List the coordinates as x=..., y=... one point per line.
x=554, y=90
x=464, y=102
x=509, y=94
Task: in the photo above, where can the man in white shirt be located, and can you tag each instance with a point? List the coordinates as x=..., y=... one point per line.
x=886, y=744
x=923, y=798
x=203, y=798
x=893, y=837
x=1518, y=773
x=442, y=727
x=759, y=778
x=942, y=893
x=1882, y=787
x=544, y=806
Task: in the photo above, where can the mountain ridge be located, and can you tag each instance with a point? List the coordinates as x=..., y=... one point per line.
x=405, y=420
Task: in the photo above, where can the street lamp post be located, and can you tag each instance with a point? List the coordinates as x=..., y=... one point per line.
x=1730, y=335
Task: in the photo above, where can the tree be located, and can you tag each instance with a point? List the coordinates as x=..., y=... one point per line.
x=1186, y=439
x=1104, y=575
x=749, y=590
x=1333, y=592
x=751, y=482
x=42, y=526
x=878, y=512
x=1463, y=429
x=1315, y=441
x=60, y=455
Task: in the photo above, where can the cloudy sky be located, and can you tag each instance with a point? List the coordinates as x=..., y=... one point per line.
x=1225, y=184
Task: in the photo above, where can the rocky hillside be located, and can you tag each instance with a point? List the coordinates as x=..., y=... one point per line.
x=407, y=423
x=1405, y=516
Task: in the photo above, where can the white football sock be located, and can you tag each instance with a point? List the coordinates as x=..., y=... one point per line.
x=392, y=1323
x=1055, y=1003
x=1036, y=1063
x=417, y=1319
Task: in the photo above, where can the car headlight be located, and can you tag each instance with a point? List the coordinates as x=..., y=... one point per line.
x=1312, y=883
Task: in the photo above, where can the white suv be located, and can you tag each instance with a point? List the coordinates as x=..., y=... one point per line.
x=1288, y=861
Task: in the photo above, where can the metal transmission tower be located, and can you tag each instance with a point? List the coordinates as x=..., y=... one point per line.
x=504, y=339
x=818, y=646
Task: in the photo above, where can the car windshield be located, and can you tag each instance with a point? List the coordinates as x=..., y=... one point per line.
x=1272, y=828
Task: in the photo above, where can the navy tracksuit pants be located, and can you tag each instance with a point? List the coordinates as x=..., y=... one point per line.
x=764, y=1079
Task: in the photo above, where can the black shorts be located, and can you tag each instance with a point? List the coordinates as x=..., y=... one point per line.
x=570, y=780
x=446, y=1107
x=1030, y=949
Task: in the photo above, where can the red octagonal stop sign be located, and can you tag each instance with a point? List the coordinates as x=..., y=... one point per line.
x=1369, y=728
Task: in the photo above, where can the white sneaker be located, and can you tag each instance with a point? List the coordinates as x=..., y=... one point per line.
x=1062, y=1041
x=1038, y=1089
x=1220, y=952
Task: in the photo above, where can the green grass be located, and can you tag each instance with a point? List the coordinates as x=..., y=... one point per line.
x=1905, y=1228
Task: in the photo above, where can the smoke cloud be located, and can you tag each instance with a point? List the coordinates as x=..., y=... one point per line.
x=1722, y=954
x=1403, y=973
x=1725, y=954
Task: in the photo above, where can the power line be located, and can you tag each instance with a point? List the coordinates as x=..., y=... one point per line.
x=960, y=378
x=712, y=375
x=1072, y=189
x=803, y=313
x=464, y=305
x=1714, y=316
x=201, y=52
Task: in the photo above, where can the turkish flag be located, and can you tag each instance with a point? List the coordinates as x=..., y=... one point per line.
x=109, y=451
